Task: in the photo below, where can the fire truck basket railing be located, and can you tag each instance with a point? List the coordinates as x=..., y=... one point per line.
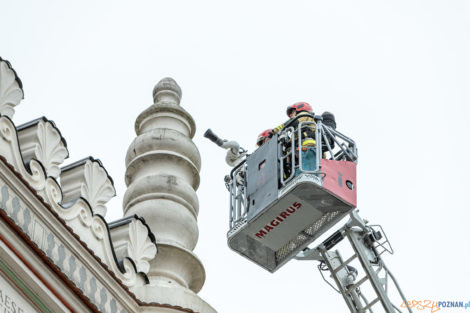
x=329, y=144
x=236, y=186
x=274, y=193
x=286, y=154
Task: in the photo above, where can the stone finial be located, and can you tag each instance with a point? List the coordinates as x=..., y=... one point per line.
x=166, y=112
x=162, y=175
x=167, y=90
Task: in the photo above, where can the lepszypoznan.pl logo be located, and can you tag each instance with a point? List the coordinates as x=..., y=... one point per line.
x=434, y=306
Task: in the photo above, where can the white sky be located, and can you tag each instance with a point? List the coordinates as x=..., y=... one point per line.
x=395, y=73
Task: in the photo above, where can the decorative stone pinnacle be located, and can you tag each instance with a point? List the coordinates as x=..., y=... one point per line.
x=162, y=175
x=167, y=90
x=166, y=112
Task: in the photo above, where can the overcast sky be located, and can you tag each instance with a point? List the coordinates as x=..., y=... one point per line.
x=395, y=73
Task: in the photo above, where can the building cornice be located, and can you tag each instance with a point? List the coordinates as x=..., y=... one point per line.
x=73, y=239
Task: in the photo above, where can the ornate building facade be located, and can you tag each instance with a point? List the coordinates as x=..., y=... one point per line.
x=57, y=251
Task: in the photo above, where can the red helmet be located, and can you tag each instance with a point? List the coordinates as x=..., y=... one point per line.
x=262, y=137
x=299, y=107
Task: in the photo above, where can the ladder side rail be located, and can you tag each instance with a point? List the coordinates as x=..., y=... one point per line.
x=368, y=305
x=347, y=299
x=402, y=295
x=321, y=270
x=344, y=264
x=371, y=274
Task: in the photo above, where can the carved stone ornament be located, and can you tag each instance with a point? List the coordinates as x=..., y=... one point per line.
x=41, y=140
x=10, y=90
x=10, y=150
x=98, y=188
x=88, y=179
x=93, y=231
x=139, y=247
x=40, y=226
x=50, y=150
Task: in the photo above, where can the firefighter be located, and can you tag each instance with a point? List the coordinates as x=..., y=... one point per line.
x=263, y=137
x=297, y=113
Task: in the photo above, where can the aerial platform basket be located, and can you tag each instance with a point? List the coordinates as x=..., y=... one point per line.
x=277, y=207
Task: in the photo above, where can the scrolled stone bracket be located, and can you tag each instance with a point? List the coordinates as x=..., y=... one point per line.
x=34, y=173
x=93, y=231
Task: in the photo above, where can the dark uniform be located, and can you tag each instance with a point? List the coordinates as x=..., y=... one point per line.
x=308, y=138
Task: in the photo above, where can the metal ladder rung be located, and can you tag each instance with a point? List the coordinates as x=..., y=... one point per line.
x=344, y=264
x=369, y=305
x=357, y=284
